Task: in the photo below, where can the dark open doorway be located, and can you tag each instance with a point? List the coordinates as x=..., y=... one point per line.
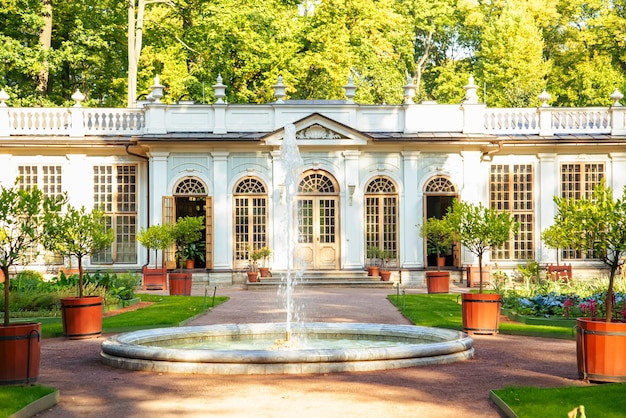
x=436, y=207
x=193, y=206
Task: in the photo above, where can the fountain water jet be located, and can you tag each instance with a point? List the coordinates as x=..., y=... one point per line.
x=363, y=347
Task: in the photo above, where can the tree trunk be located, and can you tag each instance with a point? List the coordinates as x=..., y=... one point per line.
x=45, y=40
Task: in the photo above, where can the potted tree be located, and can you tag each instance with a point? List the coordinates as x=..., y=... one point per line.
x=264, y=269
x=253, y=274
x=385, y=273
x=373, y=255
x=157, y=238
x=479, y=228
x=186, y=230
x=22, y=221
x=597, y=225
x=79, y=233
x=439, y=238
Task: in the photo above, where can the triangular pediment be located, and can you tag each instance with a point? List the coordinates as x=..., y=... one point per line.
x=317, y=129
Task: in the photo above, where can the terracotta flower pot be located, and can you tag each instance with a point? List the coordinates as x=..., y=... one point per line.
x=441, y=261
x=253, y=276
x=373, y=271
x=20, y=353
x=601, y=350
x=264, y=271
x=180, y=284
x=481, y=313
x=82, y=317
x=438, y=281
x=385, y=275
x=154, y=278
x=190, y=264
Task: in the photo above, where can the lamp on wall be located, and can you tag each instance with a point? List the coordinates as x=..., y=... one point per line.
x=351, y=188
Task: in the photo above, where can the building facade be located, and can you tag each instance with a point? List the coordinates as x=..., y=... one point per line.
x=370, y=175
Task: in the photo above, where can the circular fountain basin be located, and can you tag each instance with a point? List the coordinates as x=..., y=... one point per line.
x=402, y=346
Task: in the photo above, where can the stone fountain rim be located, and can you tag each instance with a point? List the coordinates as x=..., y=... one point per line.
x=444, y=343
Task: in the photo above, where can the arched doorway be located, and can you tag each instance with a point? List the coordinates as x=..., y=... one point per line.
x=381, y=217
x=318, y=221
x=190, y=199
x=251, y=219
x=439, y=193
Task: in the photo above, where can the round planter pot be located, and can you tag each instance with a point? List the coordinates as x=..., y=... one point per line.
x=253, y=276
x=190, y=264
x=481, y=313
x=373, y=271
x=82, y=317
x=20, y=353
x=438, y=281
x=601, y=350
x=154, y=278
x=385, y=275
x=264, y=271
x=180, y=284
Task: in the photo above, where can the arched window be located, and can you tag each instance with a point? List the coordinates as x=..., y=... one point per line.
x=381, y=217
x=250, y=203
x=189, y=187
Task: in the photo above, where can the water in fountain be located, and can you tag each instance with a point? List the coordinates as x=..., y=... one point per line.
x=292, y=166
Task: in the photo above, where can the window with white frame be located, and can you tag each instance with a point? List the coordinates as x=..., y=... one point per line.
x=250, y=223
x=578, y=181
x=115, y=193
x=381, y=216
x=511, y=189
x=48, y=179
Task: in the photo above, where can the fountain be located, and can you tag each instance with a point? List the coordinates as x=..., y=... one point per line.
x=270, y=348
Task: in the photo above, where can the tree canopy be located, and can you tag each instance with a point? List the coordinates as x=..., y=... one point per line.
x=515, y=49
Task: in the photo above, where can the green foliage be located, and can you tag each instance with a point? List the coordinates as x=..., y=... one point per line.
x=438, y=234
x=595, y=224
x=156, y=237
x=77, y=233
x=186, y=231
x=23, y=215
x=480, y=228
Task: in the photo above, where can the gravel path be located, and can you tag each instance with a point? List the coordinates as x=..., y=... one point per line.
x=90, y=389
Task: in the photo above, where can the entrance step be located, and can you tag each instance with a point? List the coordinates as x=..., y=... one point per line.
x=338, y=278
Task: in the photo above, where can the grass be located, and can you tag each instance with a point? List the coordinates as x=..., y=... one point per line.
x=14, y=398
x=444, y=311
x=167, y=311
x=606, y=401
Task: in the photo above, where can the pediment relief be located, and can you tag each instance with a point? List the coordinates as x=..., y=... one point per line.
x=317, y=131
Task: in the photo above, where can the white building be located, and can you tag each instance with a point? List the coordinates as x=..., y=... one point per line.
x=371, y=174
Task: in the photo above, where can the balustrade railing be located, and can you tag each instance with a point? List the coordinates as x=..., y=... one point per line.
x=79, y=122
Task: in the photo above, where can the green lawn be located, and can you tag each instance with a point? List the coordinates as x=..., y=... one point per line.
x=14, y=398
x=606, y=401
x=444, y=311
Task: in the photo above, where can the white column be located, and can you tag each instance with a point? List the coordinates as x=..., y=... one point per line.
x=411, y=214
x=9, y=170
x=546, y=187
x=474, y=190
x=78, y=181
x=353, y=247
x=618, y=167
x=222, y=213
x=158, y=185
